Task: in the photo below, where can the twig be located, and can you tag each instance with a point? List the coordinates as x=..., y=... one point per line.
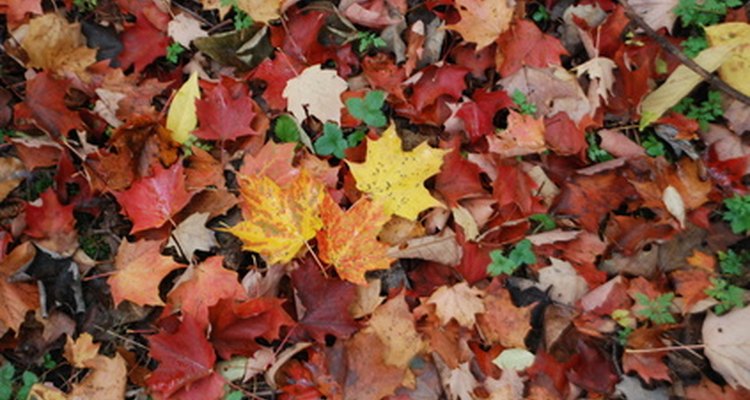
x=666, y=348
x=665, y=44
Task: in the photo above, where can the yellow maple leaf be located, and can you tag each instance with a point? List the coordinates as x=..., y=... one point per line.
x=482, y=21
x=279, y=221
x=349, y=240
x=182, y=118
x=736, y=68
x=395, y=178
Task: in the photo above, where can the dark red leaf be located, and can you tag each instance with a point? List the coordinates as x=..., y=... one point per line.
x=45, y=105
x=142, y=43
x=225, y=112
x=525, y=45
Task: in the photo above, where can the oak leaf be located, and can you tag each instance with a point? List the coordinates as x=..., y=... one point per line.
x=349, y=240
x=202, y=286
x=278, y=222
x=394, y=177
x=140, y=269
x=482, y=21
x=459, y=302
x=152, y=201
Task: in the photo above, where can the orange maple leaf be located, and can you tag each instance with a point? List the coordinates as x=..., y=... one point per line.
x=349, y=240
x=140, y=269
x=278, y=222
x=16, y=298
x=204, y=285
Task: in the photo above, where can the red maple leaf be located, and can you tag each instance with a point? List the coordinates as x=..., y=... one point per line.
x=326, y=303
x=45, y=105
x=226, y=111
x=143, y=42
x=235, y=326
x=52, y=223
x=435, y=82
x=186, y=361
x=275, y=72
x=458, y=177
x=478, y=114
x=152, y=201
x=525, y=44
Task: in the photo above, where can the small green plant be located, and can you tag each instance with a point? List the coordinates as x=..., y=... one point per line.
x=732, y=263
x=738, y=213
x=173, y=52
x=85, y=5
x=703, y=12
x=545, y=222
x=9, y=383
x=524, y=106
x=541, y=14
x=241, y=19
x=627, y=325
x=705, y=112
x=653, y=146
x=194, y=141
x=520, y=254
x=656, y=310
x=693, y=45
x=234, y=395
x=596, y=153
x=369, y=40
x=286, y=129
x=729, y=296
x=332, y=142
x=368, y=109
x=95, y=246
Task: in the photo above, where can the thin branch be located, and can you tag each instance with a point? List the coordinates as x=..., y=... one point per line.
x=665, y=44
x=666, y=348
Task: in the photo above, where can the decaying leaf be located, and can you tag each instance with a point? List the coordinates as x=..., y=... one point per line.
x=459, y=302
x=54, y=44
x=482, y=21
x=727, y=341
x=442, y=248
x=192, y=235
x=315, y=92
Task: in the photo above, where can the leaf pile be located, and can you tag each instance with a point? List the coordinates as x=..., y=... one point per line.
x=374, y=199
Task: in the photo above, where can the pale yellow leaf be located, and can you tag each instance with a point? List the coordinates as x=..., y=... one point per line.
x=261, y=10
x=459, y=302
x=482, y=21
x=181, y=118
x=682, y=81
x=736, y=69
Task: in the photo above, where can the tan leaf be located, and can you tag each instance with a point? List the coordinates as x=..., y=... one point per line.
x=503, y=322
x=140, y=267
x=657, y=13
x=16, y=299
x=12, y=172
x=192, y=235
x=567, y=285
x=105, y=381
x=82, y=351
x=525, y=135
x=261, y=10
x=393, y=323
x=368, y=299
x=727, y=340
x=442, y=248
x=316, y=92
x=183, y=29
x=482, y=21
x=56, y=45
x=599, y=70
x=459, y=302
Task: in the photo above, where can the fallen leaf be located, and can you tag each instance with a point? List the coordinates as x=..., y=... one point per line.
x=656, y=13
x=152, y=201
x=442, y=248
x=459, y=383
x=139, y=270
x=326, y=303
x=192, y=235
x=80, y=353
x=315, y=92
x=202, y=286
x=52, y=224
x=273, y=160
x=394, y=177
x=502, y=322
x=524, y=135
x=681, y=82
x=57, y=46
x=182, y=117
x=735, y=69
x=18, y=298
x=261, y=10
x=278, y=222
x=524, y=44
x=183, y=29
x=368, y=376
x=567, y=286
x=45, y=102
x=726, y=339
x=393, y=324
x=226, y=112
x=186, y=360
x=106, y=380
x=600, y=72
x=143, y=41
x=368, y=299
x=459, y=302
x=349, y=240
x=482, y=21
